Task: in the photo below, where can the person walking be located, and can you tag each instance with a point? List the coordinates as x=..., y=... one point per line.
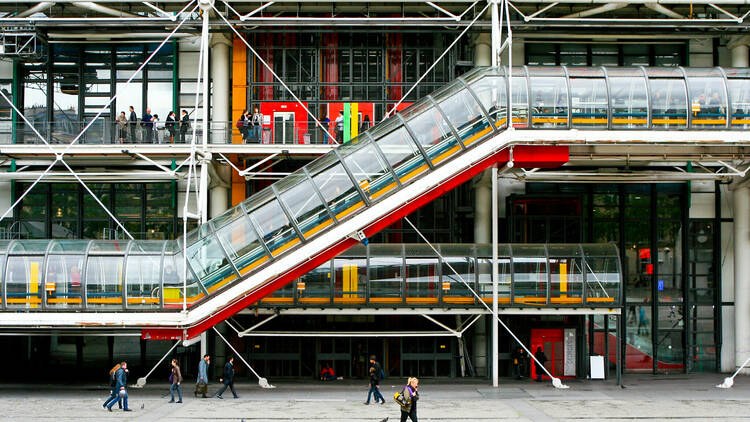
x=148, y=126
x=176, y=379
x=201, y=384
x=133, y=122
x=121, y=377
x=112, y=382
x=122, y=127
x=541, y=359
x=257, y=124
x=375, y=376
x=408, y=400
x=184, y=125
x=228, y=379
x=171, y=124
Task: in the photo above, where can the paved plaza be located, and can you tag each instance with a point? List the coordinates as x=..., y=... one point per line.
x=682, y=397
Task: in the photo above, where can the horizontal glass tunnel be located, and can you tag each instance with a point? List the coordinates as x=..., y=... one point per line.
x=61, y=275
x=385, y=158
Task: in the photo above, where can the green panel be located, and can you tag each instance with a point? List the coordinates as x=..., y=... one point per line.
x=347, y=122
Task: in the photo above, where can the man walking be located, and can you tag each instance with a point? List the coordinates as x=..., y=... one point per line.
x=121, y=377
x=132, y=123
x=201, y=385
x=375, y=377
x=228, y=379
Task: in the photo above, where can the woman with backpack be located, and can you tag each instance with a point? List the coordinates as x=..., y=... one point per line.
x=407, y=399
x=175, y=380
x=112, y=384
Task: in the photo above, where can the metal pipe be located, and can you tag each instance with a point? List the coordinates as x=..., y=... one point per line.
x=90, y=5
x=35, y=9
x=595, y=11
x=495, y=280
x=664, y=11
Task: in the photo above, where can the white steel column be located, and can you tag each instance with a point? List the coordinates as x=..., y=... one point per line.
x=738, y=47
x=221, y=129
x=741, y=213
x=495, y=280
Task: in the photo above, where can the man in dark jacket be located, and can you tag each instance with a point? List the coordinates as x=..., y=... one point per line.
x=132, y=123
x=184, y=125
x=541, y=359
x=228, y=379
x=375, y=376
x=121, y=381
x=148, y=125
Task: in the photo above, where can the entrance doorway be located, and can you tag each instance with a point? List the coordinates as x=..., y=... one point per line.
x=283, y=127
x=559, y=346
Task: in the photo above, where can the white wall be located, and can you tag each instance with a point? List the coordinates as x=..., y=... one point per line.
x=6, y=69
x=701, y=52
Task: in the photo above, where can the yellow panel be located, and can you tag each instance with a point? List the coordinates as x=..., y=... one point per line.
x=345, y=280
x=34, y=280
x=563, y=279
x=353, y=281
x=171, y=293
x=354, y=120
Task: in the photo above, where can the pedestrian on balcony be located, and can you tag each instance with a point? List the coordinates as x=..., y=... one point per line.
x=242, y=125
x=257, y=124
x=171, y=125
x=133, y=122
x=147, y=122
x=339, y=127
x=184, y=125
x=122, y=127
x=175, y=381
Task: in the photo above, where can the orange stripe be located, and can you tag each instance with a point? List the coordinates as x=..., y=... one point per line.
x=445, y=155
x=104, y=300
x=385, y=300
x=600, y=299
x=383, y=191
x=710, y=121
x=670, y=121
x=285, y=247
x=458, y=299
x=350, y=210
x=277, y=300
x=314, y=300
x=250, y=267
x=142, y=300
x=71, y=300
x=318, y=228
x=24, y=300
x=421, y=300
x=415, y=172
x=348, y=300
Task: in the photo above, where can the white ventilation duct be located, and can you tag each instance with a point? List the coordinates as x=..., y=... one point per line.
x=597, y=10
x=90, y=5
x=664, y=11
x=35, y=9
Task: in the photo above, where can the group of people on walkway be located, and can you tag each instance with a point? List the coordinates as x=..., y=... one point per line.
x=118, y=377
x=151, y=127
x=250, y=125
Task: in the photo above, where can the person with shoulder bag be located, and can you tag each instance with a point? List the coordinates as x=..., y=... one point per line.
x=121, y=377
x=175, y=380
x=201, y=384
x=112, y=385
x=407, y=400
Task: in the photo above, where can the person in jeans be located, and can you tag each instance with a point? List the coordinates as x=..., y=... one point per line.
x=257, y=123
x=375, y=371
x=121, y=377
x=202, y=374
x=112, y=384
x=176, y=381
x=228, y=379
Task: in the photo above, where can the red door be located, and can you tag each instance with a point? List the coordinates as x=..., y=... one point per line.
x=551, y=342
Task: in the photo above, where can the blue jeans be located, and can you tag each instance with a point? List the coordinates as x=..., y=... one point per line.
x=124, y=400
x=378, y=396
x=257, y=132
x=112, y=397
x=174, y=387
x=224, y=388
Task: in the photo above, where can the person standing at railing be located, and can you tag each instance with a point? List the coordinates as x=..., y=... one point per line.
x=122, y=127
x=326, y=123
x=170, y=124
x=184, y=125
x=147, y=121
x=242, y=125
x=339, y=127
x=133, y=121
x=257, y=123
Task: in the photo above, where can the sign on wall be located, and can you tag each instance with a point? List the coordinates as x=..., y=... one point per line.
x=569, y=344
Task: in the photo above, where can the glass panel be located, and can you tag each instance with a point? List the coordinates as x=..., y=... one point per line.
x=550, y=103
x=639, y=353
x=173, y=282
x=602, y=280
x=466, y=115
x=304, y=205
x=422, y=278
x=274, y=227
x=529, y=274
x=385, y=275
x=492, y=95
x=351, y=279
x=708, y=102
x=63, y=281
x=209, y=263
x=629, y=102
x=69, y=246
x=104, y=281
x=670, y=351
x=668, y=103
x=402, y=154
x=484, y=270
x=315, y=286
x=669, y=262
x=338, y=191
x=23, y=282
x=143, y=281
x=589, y=99
x=370, y=172
x=434, y=133
x=739, y=93
x=454, y=290
x=108, y=247
x=520, y=100
x=29, y=246
x=566, y=275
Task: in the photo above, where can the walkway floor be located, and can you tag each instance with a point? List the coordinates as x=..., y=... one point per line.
x=652, y=398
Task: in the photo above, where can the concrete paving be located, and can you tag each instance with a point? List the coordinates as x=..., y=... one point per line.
x=652, y=398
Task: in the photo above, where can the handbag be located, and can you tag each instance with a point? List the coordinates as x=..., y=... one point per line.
x=171, y=378
x=201, y=388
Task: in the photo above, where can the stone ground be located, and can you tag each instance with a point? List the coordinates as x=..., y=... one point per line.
x=651, y=398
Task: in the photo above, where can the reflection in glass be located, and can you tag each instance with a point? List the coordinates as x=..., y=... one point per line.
x=23, y=282
x=589, y=101
x=142, y=280
x=629, y=102
x=668, y=103
x=63, y=281
x=104, y=281
x=549, y=101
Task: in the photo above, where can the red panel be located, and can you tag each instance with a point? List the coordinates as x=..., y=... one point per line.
x=545, y=152
x=395, y=68
x=330, y=66
x=263, y=75
x=300, y=116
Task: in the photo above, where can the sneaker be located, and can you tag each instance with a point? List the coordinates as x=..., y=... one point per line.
x=219, y=397
x=367, y=403
x=179, y=401
x=127, y=410
x=109, y=408
x=236, y=397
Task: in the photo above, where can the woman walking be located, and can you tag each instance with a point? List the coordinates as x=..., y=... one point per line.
x=112, y=384
x=176, y=379
x=409, y=401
